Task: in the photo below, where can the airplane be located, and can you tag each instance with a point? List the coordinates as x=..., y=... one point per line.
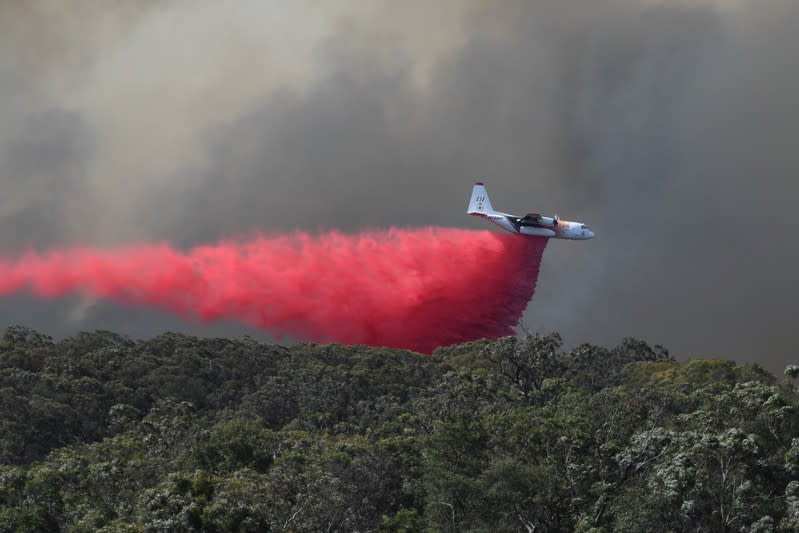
x=530, y=224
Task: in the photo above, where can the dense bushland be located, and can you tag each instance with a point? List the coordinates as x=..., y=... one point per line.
x=177, y=433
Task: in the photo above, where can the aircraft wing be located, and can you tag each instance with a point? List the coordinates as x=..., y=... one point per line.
x=534, y=219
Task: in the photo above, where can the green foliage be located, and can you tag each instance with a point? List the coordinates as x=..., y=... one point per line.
x=102, y=433
x=236, y=444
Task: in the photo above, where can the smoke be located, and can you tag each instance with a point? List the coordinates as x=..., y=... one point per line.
x=415, y=289
x=668, y=125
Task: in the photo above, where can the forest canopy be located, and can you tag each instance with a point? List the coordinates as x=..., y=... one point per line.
x=99, y=432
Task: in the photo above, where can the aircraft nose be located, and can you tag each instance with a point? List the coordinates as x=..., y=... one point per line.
x=589, y=234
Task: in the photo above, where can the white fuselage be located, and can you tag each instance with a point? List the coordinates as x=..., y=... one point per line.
x=562, y=229
x=532, y=224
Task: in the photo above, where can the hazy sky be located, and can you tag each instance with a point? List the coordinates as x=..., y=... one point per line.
x=671, y=127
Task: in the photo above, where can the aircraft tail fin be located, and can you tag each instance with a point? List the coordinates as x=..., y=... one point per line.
x=479, y=204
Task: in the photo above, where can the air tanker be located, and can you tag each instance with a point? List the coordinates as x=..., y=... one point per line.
x=529, y=224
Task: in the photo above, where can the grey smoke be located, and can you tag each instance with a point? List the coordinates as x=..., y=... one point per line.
x=669, y=126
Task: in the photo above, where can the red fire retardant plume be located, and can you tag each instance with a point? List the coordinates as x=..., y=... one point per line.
x=406, y=288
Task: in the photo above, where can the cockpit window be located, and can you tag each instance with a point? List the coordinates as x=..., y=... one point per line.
x=584, y=226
